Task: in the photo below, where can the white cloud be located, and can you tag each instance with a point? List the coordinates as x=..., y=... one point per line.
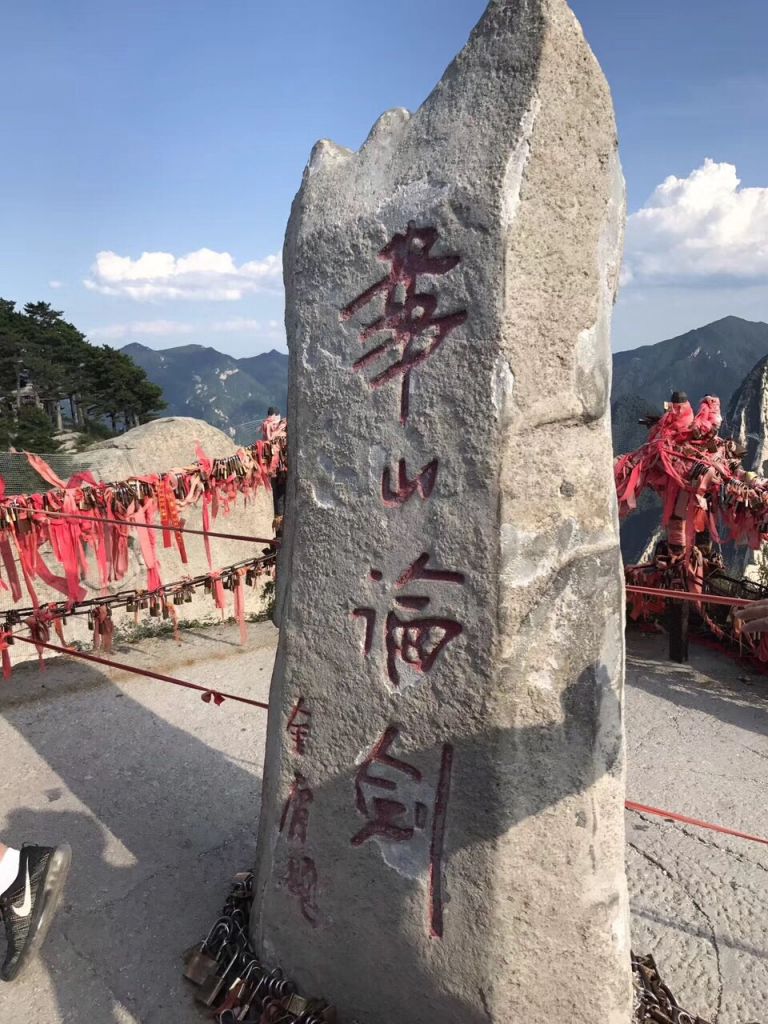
x=701, y=229
x=203, y=274
x=151, y=328
x=139, y=329
x=55, y=284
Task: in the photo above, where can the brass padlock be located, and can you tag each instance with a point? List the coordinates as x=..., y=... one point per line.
x=252, y=981
x=233, y=997
x=213, y=989
x=200, y=961
x=199, y=965
x=187, y=955
x=296, y=1004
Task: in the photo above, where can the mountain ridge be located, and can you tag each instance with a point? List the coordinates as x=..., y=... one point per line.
x=230, y=393
x=715, y=357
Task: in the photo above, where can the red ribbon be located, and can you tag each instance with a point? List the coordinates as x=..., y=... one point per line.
x=672, y=816
x=6, y=656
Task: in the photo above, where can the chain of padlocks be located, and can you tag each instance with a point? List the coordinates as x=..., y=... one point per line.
x=653, y=1000
x=232, y=982
x=236, y=987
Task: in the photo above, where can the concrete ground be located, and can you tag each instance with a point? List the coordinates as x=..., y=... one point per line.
x=698, y=744
x=158, y=794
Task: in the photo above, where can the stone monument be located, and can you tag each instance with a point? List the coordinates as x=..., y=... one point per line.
x=441, y=837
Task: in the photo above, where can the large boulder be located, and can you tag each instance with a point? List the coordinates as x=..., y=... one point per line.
x=155, y=447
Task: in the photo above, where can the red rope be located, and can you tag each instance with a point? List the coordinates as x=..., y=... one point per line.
x=686, y=595
x=205, y=690
x=671, y=816
x=151, y=526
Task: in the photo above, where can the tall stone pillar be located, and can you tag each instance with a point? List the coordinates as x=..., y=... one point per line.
x=441, y=835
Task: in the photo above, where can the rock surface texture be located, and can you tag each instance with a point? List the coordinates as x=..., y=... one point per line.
x=442, y=833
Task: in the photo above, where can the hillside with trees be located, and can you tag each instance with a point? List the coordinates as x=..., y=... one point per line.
x=51, y=377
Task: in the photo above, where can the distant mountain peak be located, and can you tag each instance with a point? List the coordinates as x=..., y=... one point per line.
x=713, y=359
x=229, y=393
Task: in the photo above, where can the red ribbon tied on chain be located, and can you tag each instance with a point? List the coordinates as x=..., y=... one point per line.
x=6, y=654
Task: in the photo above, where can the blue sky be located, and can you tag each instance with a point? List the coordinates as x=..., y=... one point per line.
x=182, y=127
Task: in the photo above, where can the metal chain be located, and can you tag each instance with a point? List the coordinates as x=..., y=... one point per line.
x=653, y=1000
x=231, y=980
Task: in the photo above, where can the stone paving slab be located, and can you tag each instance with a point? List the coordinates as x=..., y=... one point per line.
x=158, y=793
x=698, y=744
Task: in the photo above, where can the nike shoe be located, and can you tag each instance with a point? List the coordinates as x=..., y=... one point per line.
x=29, y=905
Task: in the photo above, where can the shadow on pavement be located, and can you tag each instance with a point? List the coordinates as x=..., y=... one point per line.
x=169, y=820
x=709, y=684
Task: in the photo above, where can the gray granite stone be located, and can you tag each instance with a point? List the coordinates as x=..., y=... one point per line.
x=442, y=828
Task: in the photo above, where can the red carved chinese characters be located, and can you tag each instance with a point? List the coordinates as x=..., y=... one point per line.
x=302, y=883
x=422, y=484
x=396, y=801
x=390, y=818
x=415, y=333
x=296, y=811
x=300, y=725
x=417, y=642
x=294, y=824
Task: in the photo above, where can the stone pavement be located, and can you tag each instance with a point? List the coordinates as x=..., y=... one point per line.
x=697, y=744
x=158, y=794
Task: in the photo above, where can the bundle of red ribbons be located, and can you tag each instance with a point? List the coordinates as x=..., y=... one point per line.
x=699, y=477
x=83, y=515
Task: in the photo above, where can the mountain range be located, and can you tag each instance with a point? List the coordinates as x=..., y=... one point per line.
x=232, y=394
x=710, y=360
x=716, y=359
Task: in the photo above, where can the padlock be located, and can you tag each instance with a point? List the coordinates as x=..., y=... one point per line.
x=233, y=996
x=213, y=989
x=252, y=976
x=199, y=965
x=201, y=960
x=187, y=955
x=296, y=1004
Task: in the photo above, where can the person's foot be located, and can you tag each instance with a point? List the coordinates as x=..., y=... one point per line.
x=29, y=904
